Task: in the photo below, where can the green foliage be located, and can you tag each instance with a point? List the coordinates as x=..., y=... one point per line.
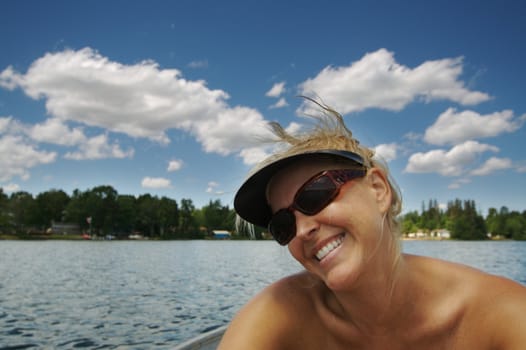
x=102, y=211
x=217, y=217
x=151, y=216
x=168, y=218
x=51, y=206
x=464, y=222
x=511, y=225
x=127, y=212
x=22, y=210
x=410, y=222
x=4, y=211
x=188, y=226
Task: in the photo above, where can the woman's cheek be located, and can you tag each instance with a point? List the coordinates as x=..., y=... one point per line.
x=295, y=249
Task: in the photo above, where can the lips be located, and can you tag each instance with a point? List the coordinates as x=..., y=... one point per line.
x=329, y=247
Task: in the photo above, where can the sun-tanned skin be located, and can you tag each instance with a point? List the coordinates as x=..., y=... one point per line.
x=365, y=294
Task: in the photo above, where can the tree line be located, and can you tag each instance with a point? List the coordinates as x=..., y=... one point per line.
x=463, y=221
x=102, y=211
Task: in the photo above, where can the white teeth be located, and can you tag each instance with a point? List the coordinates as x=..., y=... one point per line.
x=322, y=253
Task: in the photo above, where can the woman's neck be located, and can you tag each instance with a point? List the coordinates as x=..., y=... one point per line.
x=382, y=298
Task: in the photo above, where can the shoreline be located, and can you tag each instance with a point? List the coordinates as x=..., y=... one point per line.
x=60, y=237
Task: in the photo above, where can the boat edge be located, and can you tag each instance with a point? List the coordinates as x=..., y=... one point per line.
x=203, y=340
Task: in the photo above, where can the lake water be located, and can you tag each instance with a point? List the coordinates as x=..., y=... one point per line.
x=139, y=295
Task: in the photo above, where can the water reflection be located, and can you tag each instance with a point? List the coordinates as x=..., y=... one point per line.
x=62, y=294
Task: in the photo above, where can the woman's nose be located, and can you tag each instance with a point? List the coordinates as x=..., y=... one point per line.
x=306, y=226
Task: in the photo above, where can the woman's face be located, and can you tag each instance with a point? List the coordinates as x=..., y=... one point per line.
x=340, y=242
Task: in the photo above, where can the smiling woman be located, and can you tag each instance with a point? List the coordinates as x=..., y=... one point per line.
x=332, y=202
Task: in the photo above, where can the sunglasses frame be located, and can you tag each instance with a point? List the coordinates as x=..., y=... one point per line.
x=338, y=178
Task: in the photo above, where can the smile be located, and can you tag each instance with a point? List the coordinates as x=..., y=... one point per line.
x=329, y=247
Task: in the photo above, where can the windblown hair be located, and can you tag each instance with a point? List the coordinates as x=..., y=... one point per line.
x=330, y=132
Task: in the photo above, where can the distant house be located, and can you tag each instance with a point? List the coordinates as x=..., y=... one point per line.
x=221, y=234
x=65, y=228
x=421, y=235
x=442, y=234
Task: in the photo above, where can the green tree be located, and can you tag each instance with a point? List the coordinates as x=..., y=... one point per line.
x=168, y=217
x=187, y=222
x=217, y=216
x=101, y=203
x=76, y=209
x=504, y=214
x=464, y=222
x=51, y=207
x=515, y=226
x=147, y=214
x=126, y=215
x=22, y=208
x=492, y=221
x=409, y=222
x=4, y=211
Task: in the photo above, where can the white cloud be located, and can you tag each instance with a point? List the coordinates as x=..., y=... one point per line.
x=378, y=81
x=491, y=165
x=212, y=185
x=293, y=128
x=413, y=136
x=231, y=129
x=212, y=188
x=98, y=147
x=280, y=104
x=198, y=64
x=11, y=126
x=10, y=188
x=17, y=156
x=453, y=127
x=253, y=155
x=175, y=165
x=276, y=90
x=140, y=100
x=388, y=152
x=4, y=124
x=448, y=163
x=156, y=182
x=459, y=183
x=9, y=79
x=54, y=131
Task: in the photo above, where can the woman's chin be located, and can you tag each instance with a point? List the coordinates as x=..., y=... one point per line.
x=341, y=279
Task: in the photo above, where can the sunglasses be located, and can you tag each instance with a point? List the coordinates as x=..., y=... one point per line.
x=315, y=194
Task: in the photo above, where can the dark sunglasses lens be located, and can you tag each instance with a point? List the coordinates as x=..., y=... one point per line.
x=283, y=226
x=315, y=195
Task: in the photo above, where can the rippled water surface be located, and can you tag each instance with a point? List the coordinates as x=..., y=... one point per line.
x=65, y=294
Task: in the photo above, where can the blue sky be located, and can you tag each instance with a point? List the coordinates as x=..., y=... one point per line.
x=170, y=97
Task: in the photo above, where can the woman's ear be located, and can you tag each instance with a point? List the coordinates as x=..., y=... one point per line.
x=381, y=188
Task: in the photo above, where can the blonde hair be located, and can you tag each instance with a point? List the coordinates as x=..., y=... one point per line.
x=330, y=132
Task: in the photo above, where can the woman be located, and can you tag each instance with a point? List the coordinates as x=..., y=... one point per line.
x=333, y=204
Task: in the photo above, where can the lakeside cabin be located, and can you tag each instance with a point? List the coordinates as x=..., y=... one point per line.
x=221, y=234
x=64, y=228
x=434, y=234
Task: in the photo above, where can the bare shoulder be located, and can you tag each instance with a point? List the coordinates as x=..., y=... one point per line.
x=501, y=308
x=495, y=306
x=271, y=319
x=490, y=310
